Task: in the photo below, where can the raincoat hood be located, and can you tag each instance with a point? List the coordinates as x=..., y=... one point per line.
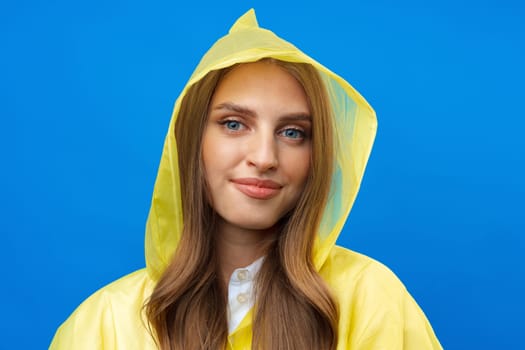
x=354, y=133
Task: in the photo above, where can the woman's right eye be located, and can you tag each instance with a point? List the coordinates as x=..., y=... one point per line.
x=233, y=125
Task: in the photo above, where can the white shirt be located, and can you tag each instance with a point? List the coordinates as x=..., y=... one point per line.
x=240, y=293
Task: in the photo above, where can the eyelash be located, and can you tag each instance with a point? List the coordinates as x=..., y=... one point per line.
x=301, y=133
x=225, y=122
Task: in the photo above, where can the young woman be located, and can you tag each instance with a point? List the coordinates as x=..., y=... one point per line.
x=262, y=162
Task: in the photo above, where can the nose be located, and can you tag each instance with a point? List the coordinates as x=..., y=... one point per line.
x=263, y=151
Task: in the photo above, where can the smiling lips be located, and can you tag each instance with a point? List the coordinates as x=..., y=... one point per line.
x=257, y=188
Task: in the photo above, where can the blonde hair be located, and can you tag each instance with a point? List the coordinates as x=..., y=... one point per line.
x=188, y=307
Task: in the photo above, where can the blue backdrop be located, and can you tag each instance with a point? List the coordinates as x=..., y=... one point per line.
x=87, y=89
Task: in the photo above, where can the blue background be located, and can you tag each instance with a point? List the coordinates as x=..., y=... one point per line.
x=87, y=89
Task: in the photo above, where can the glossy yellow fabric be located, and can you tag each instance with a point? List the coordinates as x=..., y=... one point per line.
x=376, y=310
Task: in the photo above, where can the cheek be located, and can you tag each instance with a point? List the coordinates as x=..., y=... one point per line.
x=210, y=149
x=297, y=165
x=207, y=156
x=218, y=156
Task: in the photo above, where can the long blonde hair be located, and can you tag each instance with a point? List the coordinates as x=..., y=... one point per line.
x=294, y=308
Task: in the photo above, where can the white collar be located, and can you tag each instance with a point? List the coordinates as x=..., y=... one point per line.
x=241, y=293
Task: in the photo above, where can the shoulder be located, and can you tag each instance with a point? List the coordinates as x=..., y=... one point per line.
x=376, y=310
x=105, y=316
x=361, y=271
x=129, y=291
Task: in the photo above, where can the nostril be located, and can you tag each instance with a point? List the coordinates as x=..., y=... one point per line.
x=264, y=165
x=263, y=154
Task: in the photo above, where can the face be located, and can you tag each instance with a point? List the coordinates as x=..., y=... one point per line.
x=257, y=145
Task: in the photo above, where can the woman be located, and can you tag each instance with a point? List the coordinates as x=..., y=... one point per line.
x=262, y=162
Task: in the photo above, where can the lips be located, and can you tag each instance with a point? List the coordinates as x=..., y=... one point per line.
x=257, y=188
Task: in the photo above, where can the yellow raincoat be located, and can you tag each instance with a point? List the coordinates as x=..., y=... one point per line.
x=376, y=311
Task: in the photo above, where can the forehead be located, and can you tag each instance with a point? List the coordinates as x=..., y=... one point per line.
x=261, y=84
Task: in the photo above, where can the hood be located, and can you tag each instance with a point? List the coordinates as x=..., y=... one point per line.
x=355, y=128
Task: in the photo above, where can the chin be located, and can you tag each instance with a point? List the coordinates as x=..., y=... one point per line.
x=253, y=223
x=256, y=225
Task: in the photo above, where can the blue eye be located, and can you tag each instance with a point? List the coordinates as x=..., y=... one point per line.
x=232, y=124
x=293, y=133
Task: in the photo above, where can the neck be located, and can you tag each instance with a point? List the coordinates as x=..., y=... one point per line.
x=238, y=247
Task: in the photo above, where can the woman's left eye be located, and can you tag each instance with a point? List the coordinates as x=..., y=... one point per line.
x=293, y=133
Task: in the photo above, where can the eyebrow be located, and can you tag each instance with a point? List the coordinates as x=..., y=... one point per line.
x=230, y=106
